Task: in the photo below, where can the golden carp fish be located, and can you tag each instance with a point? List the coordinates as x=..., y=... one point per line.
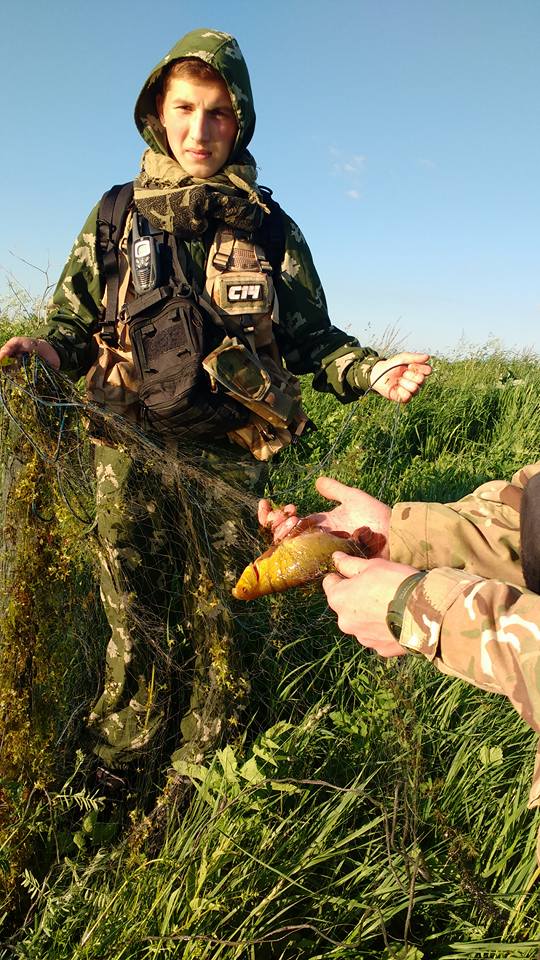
x=302, y=556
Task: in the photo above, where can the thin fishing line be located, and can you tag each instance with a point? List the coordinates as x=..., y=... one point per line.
x=389, y=457
x=39, y=516
x=16, y=421
x=307, y=471
x=60, y=404
x=63, y=481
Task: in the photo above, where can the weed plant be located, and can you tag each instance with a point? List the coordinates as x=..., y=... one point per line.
x=381, y=808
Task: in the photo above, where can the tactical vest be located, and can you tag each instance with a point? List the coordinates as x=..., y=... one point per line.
x=187, y=366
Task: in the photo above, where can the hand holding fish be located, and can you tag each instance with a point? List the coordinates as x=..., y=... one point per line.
x=303, y=548
x=356, y=510
x=359, y=592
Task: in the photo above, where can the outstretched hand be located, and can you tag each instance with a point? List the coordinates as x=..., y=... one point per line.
x=400, y=377
x=359, y=593
x=356, y=510
x=16, y=347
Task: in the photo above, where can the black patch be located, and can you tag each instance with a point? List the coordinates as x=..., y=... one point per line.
x=244, y=292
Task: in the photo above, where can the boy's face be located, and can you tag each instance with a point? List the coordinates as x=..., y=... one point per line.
x=200, y=124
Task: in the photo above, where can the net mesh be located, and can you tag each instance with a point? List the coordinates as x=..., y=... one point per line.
x=117, y=565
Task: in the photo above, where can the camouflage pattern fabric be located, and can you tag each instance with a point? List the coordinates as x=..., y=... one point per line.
x=135, y=705
x=307, y=340
x=174, y=201
x=220, y=51
x=477, y=622
x=171, y=674
x=309, y=343
x=137, y=565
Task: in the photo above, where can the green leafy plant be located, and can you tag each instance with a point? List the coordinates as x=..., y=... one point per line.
x=363, y=809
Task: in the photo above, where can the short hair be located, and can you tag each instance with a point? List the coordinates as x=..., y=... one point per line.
x=191, y=68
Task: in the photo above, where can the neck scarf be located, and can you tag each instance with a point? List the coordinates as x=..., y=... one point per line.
x=176, y=202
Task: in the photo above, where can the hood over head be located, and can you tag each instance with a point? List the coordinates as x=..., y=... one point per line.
x=220, y=51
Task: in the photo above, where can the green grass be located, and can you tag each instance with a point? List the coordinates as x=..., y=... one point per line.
x=381, y=813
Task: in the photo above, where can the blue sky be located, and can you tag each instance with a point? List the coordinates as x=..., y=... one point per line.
x=404, y=137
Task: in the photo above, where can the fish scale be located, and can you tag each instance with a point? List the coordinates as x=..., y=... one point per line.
x=299, y=559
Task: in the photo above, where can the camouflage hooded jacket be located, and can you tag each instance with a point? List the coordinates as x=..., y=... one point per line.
x=472, y=615
x=308, y=341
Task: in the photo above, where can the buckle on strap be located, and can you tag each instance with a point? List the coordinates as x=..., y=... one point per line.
x=220, y=261
x=147, y=300
x=107, y=332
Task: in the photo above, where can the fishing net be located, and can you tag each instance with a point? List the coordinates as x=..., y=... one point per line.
x=334, y=780
x=119, y=554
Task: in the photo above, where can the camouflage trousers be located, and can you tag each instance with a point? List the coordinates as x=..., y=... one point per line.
x=169, y=548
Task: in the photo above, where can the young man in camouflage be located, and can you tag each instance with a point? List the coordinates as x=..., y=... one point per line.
x=457, y=583
x=197, y=181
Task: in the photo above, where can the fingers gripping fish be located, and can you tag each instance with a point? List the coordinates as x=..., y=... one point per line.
x=301, y=557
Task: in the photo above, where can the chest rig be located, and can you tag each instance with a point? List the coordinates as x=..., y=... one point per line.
x=247, y=364
x=205, y=365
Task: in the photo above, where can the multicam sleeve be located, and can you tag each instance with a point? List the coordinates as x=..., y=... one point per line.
x=76, y=304
x=486, y=632
x=308, y=340
x=479, y=533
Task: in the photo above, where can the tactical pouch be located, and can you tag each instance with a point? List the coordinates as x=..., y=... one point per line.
x=261, y=385
x=169, y=343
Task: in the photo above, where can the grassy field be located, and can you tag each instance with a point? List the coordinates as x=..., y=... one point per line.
x=380, y=813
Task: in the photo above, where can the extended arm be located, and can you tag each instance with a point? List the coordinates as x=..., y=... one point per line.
x=311, y=344
x=479, y=533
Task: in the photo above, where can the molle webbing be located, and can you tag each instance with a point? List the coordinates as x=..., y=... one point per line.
x=113, y=210
x=230, y=255
x=239, y=287
x=168, y=335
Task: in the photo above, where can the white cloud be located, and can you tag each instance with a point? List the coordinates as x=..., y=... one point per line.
x=348, y=165
x=349, y=169
x=355, y=164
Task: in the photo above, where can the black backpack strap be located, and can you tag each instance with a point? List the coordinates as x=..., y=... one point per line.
x=271, y=234
x=530, y=533
x=112, y=214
